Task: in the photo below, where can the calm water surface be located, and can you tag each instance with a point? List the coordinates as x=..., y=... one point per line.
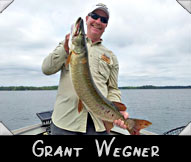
x=166, y=109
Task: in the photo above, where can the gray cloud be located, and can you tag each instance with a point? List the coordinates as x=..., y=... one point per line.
x=152, y=40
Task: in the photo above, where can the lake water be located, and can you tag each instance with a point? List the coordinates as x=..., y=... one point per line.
x=166, y=109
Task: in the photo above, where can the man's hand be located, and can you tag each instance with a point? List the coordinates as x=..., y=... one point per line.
x=66, y=43
x=119, y=122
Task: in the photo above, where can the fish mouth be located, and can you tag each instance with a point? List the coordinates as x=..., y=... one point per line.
x=79, y=27
x=77, y=36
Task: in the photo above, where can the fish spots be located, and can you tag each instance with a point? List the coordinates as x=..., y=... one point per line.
x=101, y=107
x=104, y=111
x=107, y=111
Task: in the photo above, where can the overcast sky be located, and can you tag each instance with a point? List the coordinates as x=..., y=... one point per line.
x=151, y=39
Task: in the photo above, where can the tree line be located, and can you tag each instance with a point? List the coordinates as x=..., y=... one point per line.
x=156, y=87
x=31, y=88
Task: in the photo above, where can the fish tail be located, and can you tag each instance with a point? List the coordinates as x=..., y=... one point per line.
x=137, y=126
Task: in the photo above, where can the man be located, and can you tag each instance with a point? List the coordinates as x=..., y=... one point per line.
x=104, y=69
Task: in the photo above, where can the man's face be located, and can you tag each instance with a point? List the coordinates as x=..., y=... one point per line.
x=95, y=28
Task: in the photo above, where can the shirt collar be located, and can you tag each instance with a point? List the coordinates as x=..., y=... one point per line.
x=95, y=43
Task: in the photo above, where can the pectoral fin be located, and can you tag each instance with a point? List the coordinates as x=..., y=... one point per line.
x=68, y=60
x=108, y=126
x=80, y=106
x=120, y=106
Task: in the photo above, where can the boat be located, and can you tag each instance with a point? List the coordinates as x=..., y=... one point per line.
x=43, y=128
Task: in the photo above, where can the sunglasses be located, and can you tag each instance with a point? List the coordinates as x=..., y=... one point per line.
x=96, y=16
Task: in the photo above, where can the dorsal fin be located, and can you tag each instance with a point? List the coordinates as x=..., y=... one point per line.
x=120, y=106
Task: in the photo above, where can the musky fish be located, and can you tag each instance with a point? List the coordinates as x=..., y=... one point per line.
x=89, y=95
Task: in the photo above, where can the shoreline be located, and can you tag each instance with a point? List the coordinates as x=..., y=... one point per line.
x=33, y=88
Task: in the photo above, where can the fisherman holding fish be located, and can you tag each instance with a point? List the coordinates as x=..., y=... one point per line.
x=70, y=115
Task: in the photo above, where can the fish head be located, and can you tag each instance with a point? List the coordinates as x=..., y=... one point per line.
x=77, y=37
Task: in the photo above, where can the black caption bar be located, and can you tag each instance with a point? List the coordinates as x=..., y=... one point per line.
x=73, y=148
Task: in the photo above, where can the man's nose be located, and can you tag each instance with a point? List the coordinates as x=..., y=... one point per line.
x=98, y=20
